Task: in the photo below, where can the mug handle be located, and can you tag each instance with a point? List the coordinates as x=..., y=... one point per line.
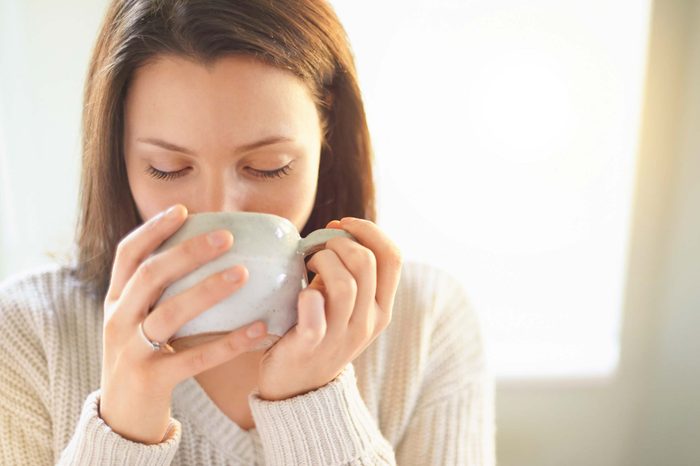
x=316, y=240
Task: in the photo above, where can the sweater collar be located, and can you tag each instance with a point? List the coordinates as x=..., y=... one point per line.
x=192, y=402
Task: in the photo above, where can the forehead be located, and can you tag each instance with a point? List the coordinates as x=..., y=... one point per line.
x=235, y=94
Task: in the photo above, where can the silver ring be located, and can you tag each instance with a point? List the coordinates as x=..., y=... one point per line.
x=155, y=346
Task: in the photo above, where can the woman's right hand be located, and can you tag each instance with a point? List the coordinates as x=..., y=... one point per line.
x=136, y=382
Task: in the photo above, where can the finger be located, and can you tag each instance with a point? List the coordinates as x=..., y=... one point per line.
x=156, y=273
x=167, y=318
x=176, y=367
x=311, y=324
x=362, y=264
x=341, y=290
x=139, y=243
x=388, y=255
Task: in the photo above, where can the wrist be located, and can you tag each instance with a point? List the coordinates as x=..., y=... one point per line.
x=151, y=425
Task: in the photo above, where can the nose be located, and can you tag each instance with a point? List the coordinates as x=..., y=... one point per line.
x=218, y=195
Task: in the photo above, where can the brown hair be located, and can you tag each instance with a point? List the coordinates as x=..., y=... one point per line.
x=302, y=36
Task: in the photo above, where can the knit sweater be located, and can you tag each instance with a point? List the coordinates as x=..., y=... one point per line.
x=420, y=394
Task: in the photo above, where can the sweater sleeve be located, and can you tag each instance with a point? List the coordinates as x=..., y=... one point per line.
x=94, y=442
x=453, y=421
x=330, y=425
x=25, y=415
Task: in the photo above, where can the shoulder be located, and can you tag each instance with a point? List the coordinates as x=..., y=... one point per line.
x=432, y=349
x=33, y=296
x=38, y=284
x=428, y=292
x=433, y=307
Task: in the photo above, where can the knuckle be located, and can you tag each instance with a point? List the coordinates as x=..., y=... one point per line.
x=122, y=247
x=313, y=335
x=396, y=256
x=212, y=286
x=364, y=256
x=166, y=313
x=369, y=329
x=310, y=341
x=358, y=340
x=385, y=318
x=147, y=270
x=233, y=345
x=190, y=248
x=210, y=291
x=108, y=302
x=365, y=332
x=110, y=329
x=383, y=321
x=121, y=254
x=343, y=289
x=198, y=361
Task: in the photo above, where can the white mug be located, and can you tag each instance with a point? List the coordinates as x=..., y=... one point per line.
x=272, y=250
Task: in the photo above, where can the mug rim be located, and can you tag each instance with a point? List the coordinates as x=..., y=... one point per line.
x=246, y=214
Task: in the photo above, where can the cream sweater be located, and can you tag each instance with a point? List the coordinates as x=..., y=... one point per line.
x=421, y=394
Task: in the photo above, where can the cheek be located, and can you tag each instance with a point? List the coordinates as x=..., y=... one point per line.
x=138, y=188
x=301, y=183
x=290, y=195
x=307, y=185
x=293, y=199
x=149, y=201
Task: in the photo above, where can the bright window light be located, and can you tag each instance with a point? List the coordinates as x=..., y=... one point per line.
x=505, y=135
x=7, y=228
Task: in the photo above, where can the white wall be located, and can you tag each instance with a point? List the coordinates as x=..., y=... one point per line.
x=520, y=146
x=43, y=60
x=506, y=134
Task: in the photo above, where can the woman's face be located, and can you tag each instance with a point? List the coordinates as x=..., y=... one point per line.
x=218, y=131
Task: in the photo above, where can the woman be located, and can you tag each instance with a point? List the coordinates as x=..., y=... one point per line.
x=215, y=105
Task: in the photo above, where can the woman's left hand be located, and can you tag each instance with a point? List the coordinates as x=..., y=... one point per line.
x=346, y=306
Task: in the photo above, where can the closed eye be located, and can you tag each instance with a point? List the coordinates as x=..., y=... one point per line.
x=277, y=173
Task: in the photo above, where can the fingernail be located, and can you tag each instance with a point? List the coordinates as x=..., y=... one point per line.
x=233, y=275
x=217, y=238
x=255, y=330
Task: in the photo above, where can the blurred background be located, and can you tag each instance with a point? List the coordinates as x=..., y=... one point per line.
x=546, y=153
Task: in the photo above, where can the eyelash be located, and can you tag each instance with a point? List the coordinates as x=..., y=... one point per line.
x=161, y=175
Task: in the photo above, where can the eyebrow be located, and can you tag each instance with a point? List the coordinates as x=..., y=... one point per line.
x=244, y=148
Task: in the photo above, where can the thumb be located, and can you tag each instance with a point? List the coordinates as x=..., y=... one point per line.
x=311, y=321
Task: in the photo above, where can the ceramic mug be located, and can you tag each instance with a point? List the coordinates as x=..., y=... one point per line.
x=272, y=250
